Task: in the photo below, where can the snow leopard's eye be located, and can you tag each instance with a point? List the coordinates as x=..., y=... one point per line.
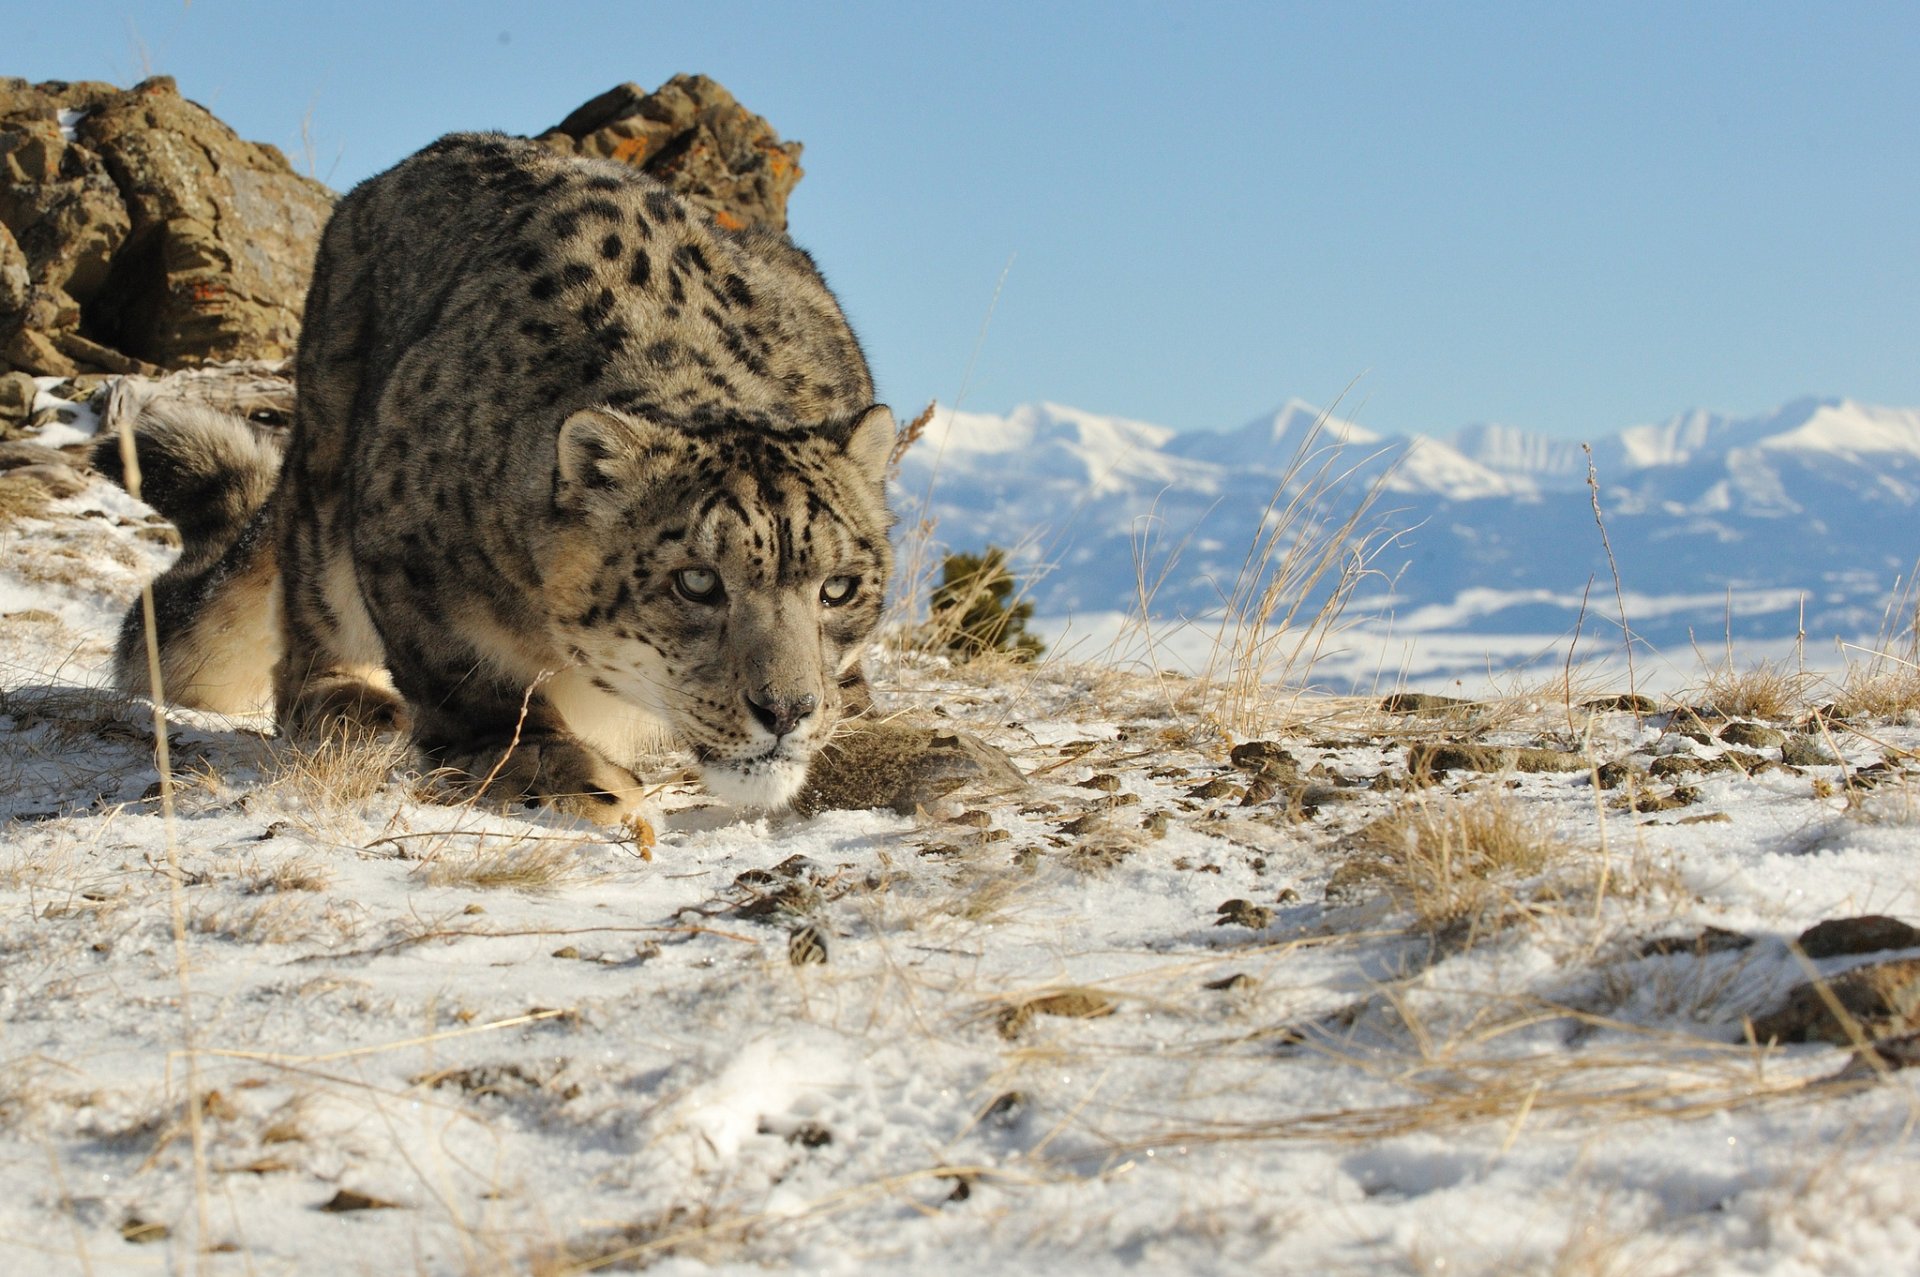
x=698, y=585
x=839, y=590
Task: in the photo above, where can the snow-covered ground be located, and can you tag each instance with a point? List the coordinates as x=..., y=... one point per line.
x=1158, y=1012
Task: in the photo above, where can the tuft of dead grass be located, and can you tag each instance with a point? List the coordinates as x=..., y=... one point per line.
x=1454, y=862
x=1883, y=680
x=297, y=873
x=276, y=919
x=1316, y=544
x=1765, y=689
x=517, y=863
x=344, y=769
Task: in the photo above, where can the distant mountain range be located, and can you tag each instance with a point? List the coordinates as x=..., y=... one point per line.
x=1717, y=523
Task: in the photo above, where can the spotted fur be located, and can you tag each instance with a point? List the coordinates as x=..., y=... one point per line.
x=538, y=398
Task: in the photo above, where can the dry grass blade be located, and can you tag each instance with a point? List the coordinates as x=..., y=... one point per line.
x=1316, y=544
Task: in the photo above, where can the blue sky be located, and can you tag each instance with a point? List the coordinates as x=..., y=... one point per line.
x=1567, y=217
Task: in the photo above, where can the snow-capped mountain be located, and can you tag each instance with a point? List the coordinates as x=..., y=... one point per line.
x=1750, y=520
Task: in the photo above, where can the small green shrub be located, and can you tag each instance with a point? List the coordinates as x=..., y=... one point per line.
x=974, y=611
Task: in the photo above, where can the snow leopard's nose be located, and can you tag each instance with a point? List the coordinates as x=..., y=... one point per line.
x=781, y=714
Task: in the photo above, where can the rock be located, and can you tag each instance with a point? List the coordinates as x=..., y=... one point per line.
x=32, y=351
x=91, y=354
x=144, y=233
x=1869, y=933
x=1263, y=756
x=1882, y=1000
x=1617, y=773
x=16, y=285
x=896, y=765
x=1418, y=702
x=1752, y=735
x=1217, y=788
x=1243, y=913
x=693, y=136
x=16, y=398
x=1805, y=751
x=155, y=236
x=1426, y=760
x=1073, y=1004
x=1624, y=701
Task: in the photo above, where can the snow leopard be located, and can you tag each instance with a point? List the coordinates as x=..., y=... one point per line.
x=572, y=468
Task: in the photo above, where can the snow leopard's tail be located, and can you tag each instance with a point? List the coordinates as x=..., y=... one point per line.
x=216, y=610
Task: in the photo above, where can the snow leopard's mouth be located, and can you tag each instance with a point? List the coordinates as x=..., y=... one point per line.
x=767, y=780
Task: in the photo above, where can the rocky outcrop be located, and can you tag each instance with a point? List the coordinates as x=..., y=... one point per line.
x=690, y=134
x=141, y=231
x=138, y=232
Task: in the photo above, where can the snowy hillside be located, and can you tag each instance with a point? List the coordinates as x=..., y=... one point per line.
x=1279, y=984
x=1815, y=506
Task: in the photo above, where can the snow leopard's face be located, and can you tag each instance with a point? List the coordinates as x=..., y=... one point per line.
x=724, y=580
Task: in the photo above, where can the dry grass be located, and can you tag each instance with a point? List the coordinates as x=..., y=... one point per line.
x=296, y=873
x=343, y=770
x=1455, y=862
x=1316, y=543
x=1885, y=689
x=1765, y=689
x=277, y=919
x=517, y=862
x=1883, y=680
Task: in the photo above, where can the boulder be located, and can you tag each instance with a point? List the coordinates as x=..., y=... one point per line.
x=690, y=134
x=151, y=233
x=138, y=232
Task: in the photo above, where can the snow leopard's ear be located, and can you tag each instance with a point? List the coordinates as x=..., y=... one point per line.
x=869, y=442
x=601, y=457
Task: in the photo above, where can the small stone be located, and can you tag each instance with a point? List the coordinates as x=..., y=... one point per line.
x=1805, y=751
x=1075, y=1004
x=1881, y=1000
x=1869, y=933
x=1218, y=788
x=1261, y=755
x=566, y=951
x=1244, y=913
x=1615, y=774
x=349, y=1200
x=142, y=1232
x=1238, y=980
x=1752, y=735
x=1418, y=703
x=1624, y=701
x=1105, y=782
